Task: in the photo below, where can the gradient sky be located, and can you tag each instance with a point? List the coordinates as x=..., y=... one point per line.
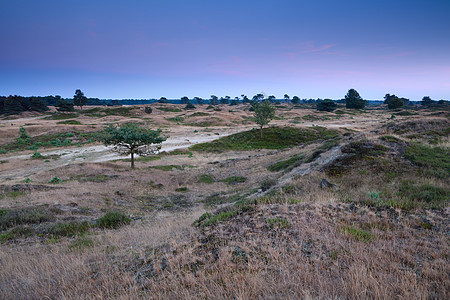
x=149, y=49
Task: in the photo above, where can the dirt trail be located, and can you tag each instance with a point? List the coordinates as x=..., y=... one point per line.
x=100, y=153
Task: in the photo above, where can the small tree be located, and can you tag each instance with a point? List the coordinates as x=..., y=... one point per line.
x=131, y=139
x=64, y=105
x=38, y=104
x=326, y=105
x=189, y=105
x=295, y=100
x=393, y=101
x=286, y=98
x=184, y=100
x=426, y=101
x=214, y=100
x=263, y=113
x=162, y=100
x=354, y=100
x=79, y=99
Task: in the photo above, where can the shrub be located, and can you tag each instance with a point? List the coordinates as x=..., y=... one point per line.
x=31, y=215
x=69, y=229
x=113, y=220
x=326, y=105
x=55, y=180
x=205, y=178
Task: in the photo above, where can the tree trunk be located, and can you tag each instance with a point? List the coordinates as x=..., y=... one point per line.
x=132, y=159
x=260, y=130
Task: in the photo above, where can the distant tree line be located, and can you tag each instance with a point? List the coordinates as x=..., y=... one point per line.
x=17, y=104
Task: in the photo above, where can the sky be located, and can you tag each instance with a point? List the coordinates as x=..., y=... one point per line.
x=139, y=49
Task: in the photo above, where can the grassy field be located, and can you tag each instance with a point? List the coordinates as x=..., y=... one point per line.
x=353, y=205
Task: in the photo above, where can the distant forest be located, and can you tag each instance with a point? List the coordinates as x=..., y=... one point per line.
x=10, y=105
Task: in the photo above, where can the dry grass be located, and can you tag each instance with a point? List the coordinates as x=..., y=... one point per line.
x=351, y=241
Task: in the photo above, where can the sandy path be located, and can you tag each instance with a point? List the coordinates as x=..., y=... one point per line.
x=99, y=153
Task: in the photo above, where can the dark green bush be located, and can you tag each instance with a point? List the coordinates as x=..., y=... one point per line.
x=113, y=220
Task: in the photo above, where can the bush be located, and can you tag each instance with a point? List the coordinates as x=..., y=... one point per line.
x=326, y=105
x=69, y=229
x=55, y=180
x=205, y=178
x=148, y=110
x=31, y=215
x=113, y=220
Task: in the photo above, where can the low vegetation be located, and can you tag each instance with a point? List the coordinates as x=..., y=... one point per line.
x=273, y=138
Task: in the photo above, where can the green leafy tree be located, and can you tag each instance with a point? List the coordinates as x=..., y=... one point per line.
x=354, y=100
x=13, y=105
x=162, y=100
x=199, y=100
x=271, y=98
x=426, y=101
x=393, y=102
x=258, y=97
x=184, y=100
x=326, y=105
x=38, y=104
x=286, y=98
x=131, y=139
x=64, y=105
x=79, y=99
x=263, y=113
x=295, y=100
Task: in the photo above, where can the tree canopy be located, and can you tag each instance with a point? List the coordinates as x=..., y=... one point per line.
x=354, y=100
x=79, y=99
x=131, y=139
x=393, y=101
x=263, y=113
x=326, y=105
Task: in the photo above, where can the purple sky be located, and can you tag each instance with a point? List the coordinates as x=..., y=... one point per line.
x=149, y=49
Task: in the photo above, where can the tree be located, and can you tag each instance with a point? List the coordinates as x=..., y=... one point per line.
x=245, y=99
x=258, y=97
x=326, y=105
x=131, y=139
x=271, y=98
x=225, y=100
x=13, y=105
x=199, y=100
x=354, y=100
x=235, y=101
x=64, y=105
x=184, y=100
x=214, y=100
x=426, y=101
x=189, y=105
x=295, y=100
x=162, y=100
x=393, y=102
x=79, y=99
x=38, y=104
x=286, y=98
x=263, y=113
